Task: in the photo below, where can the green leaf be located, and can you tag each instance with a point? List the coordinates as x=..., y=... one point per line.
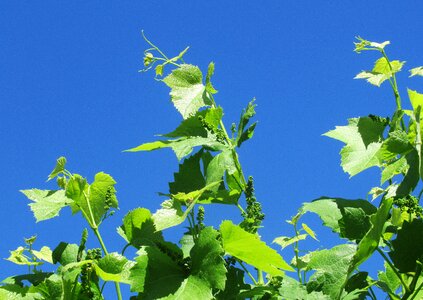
x=416, y=99
x=192, y=288
x=362, y=137
x=75, y=190
x=209, y=85
x=357, y=286
x=44, y=254
x=33, y=278
x=388, y=281
x=18, y=257
x=416, y=71
x=408, y=246
x=221, y=163
x=195, y=125
x=246, y=115
x=234, y=284
x=370, y=241
x=55, y=288
x=182, y=146
x=382, y=70
x=396, y=144
x=138, y=228
x=138, y=272
x=309, y=231
x=285, y=241
x=47, y=204
x=207, y=259
x=331, y=266
x=349, y=218
x=93, y=200
x=114, y=267
x=59, y=168
x=397, y=167
x=291, y=289
x=170, y=214
x=65, y=253
x=189, y=177
x=248, y=248
x=164, y=276
x=187, y=89
x=412, y=176
x=17, y=292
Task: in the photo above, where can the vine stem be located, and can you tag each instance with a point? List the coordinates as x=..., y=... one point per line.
x=407, y=289
x=103, y=246
x=248, y=272
x=241, y=175
x=296, y=251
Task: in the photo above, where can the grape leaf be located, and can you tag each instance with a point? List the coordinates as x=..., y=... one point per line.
x=388, y=281
x=362, y=137
x=234, y=284
x=370, y=241
x=248, y=248
x=189, y=177
x=170, y=214
x=382, y=70
x=396, y=144
x=416, y=71
x=397, y=167
x=65, y=253
x=47, y=204
x=59, y=168
x=138, y=272
x=17, y=292
x=138, y=228
x=182, y=146
x=92, y=200
x=192, y=288
x=207, y=259
x=209, y=85
x=194, y=125
x=245, y=134
x=18, y=257
x=221, y=163
x=291, y=289
x=45, y=254
x=285, y=241
x=163, y=277
x=114, y=267
x=416, y=100
x=187, y=89
x=349, y=218
x=408, y=246
x=331, y=266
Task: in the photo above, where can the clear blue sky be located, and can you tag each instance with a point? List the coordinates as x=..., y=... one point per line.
x=70, y=86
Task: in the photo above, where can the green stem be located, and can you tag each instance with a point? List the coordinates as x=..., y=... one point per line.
x=393, y=82
x=152, y=45
x=296, y=251
x=103, y=246
x=260, y=280
x=372, y=293
x=406, y=288
x=248, y=272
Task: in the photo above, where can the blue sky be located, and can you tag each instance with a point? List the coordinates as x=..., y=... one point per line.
x=70, y=86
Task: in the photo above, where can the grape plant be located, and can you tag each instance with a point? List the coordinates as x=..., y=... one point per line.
x=231, y=261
